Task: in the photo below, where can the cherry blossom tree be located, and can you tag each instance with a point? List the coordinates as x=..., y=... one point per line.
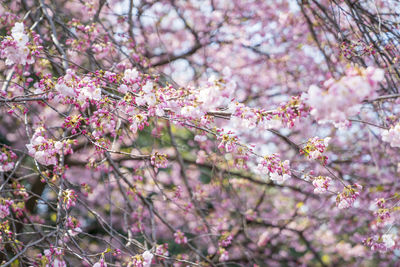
x=199, y=133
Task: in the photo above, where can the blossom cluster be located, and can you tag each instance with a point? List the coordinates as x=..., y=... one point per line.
x=224, y=254
x=383, y=213
x=225, y=239
x=138, y=122
x=69, y=198
x=74, y=123
x=291, y=111
x=322, y=184
x=74, y=228
x=340, y=99
x=7, y=158
x=5, y=207
x=287, y=113
x=141, y=260
x=273, y=166
x=100, y=263
x=159, y=160
x=349, y=194
x=46, y=151
x=228, y=141
x=180, y=237
x=216, y=93
x=392, y=135
x=51, y=257
x=15, y=48
x=83, y=89
x=244, y=117
x=315, y=148
x=382, y=243
x=162, y=250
